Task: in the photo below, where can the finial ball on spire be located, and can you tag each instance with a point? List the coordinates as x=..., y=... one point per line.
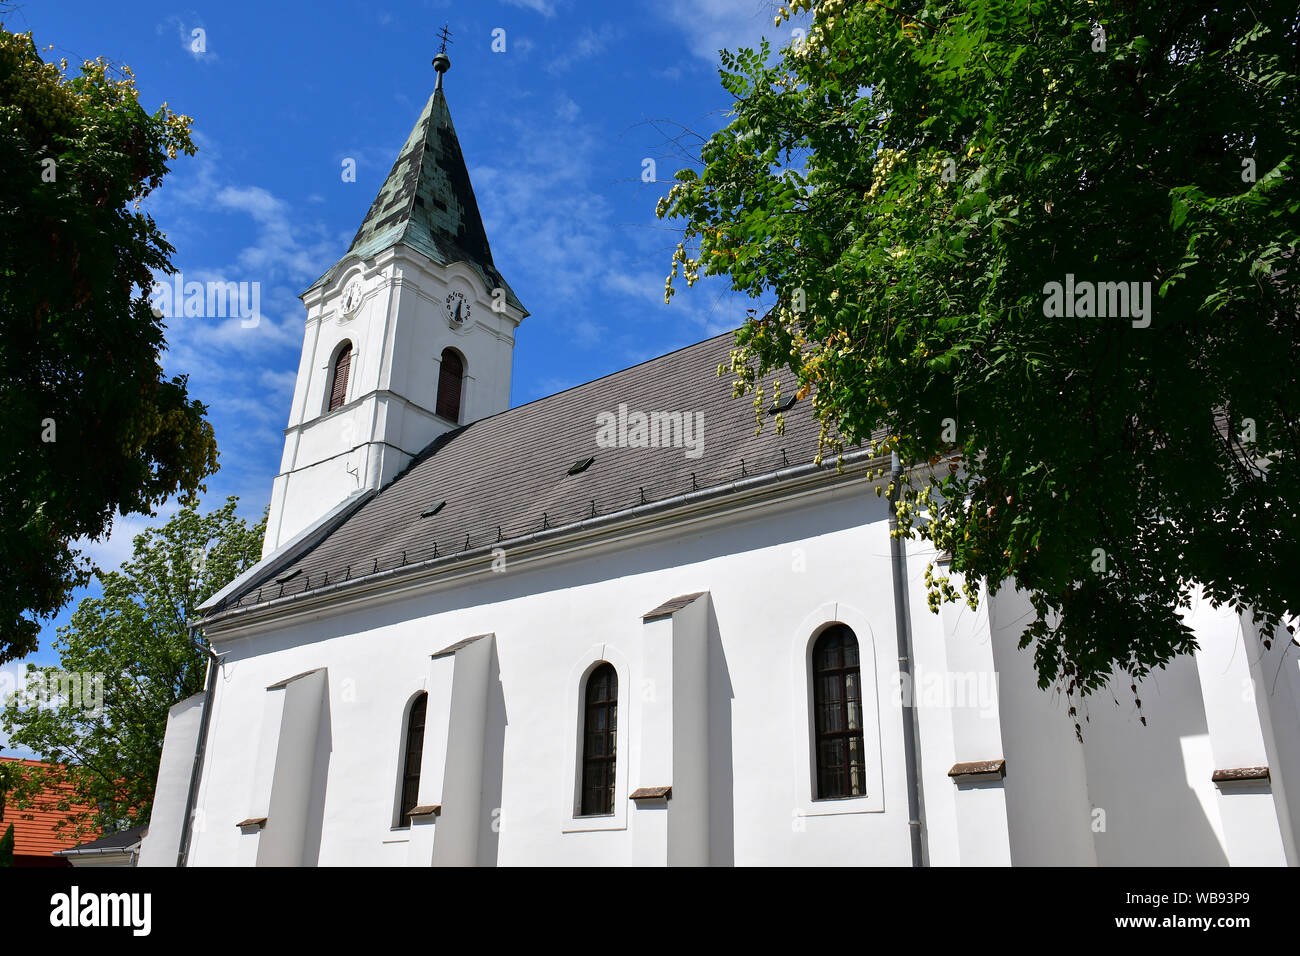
x=441, y=62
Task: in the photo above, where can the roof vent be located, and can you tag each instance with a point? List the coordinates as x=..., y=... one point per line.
x=581, y=465
x=430, y=512
x=288, y=577
x=784, y=406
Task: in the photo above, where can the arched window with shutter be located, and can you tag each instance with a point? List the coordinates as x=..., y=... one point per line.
x=339, y=379
x=837, y=715
x=451, y=379
x=411, y=762
x=599, y=738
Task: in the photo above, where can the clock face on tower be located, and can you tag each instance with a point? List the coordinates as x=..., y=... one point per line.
x=352, y=296
x=457, y=308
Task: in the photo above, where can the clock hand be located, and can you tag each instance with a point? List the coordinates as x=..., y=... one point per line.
x=458, y=318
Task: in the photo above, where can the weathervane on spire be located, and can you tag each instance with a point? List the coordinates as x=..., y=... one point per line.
x=441, y=62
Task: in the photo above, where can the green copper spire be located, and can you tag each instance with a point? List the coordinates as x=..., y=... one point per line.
x=427, y=201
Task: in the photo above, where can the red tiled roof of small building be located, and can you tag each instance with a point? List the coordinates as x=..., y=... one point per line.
x=34, y=833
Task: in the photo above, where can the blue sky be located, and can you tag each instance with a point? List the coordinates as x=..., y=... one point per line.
x=555, y=131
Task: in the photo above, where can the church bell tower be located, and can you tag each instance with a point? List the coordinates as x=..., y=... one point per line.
x=409, y=335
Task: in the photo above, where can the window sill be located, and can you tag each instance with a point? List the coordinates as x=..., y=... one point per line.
x=326, y=413
x=856, y=796
x=840, y=806
x=595, y=822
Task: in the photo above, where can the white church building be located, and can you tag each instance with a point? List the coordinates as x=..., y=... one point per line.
x=614, y=626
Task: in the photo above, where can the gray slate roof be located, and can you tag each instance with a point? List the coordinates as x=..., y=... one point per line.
x=121, y=840
x=507, y=475
x=427, y=203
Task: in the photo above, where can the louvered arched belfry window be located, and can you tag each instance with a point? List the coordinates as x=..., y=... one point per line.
x=339, y=381
x=599, y=736
x=411, y=762
x=837, y=714
x=451, y=380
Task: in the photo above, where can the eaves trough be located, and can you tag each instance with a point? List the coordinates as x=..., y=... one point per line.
x=548, y=542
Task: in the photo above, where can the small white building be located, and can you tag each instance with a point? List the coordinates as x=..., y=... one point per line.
x=614, y=626
x=115, y=850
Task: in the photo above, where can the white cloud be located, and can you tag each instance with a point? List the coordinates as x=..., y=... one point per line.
x=13, y=678
x=193, y=37
x=549, y=386
x=646, y=286
x=109, y=552
x=586, y=332
x=281, y=382
x=567, y=110
x=287, y=252
x=548, y=208
x=254, y=200
x=368, y=157
x=584, y=46
x=244, y=374
x=544, y=7
x=713, y=25
x=281, y=249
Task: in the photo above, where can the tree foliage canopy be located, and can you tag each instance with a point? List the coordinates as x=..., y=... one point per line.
x=906, y=184
x=124, y=659
x=89, y=425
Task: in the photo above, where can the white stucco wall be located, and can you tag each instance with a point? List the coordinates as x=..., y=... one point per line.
x=774, y=577
x=1133, y=793
x=162, y=842
x=398, y=334
x=775, y=573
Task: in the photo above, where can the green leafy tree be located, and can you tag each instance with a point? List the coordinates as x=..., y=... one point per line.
x=7, y=847
x=7, y=840
x=89, y=425
x=124, y=659
x=903, y=188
